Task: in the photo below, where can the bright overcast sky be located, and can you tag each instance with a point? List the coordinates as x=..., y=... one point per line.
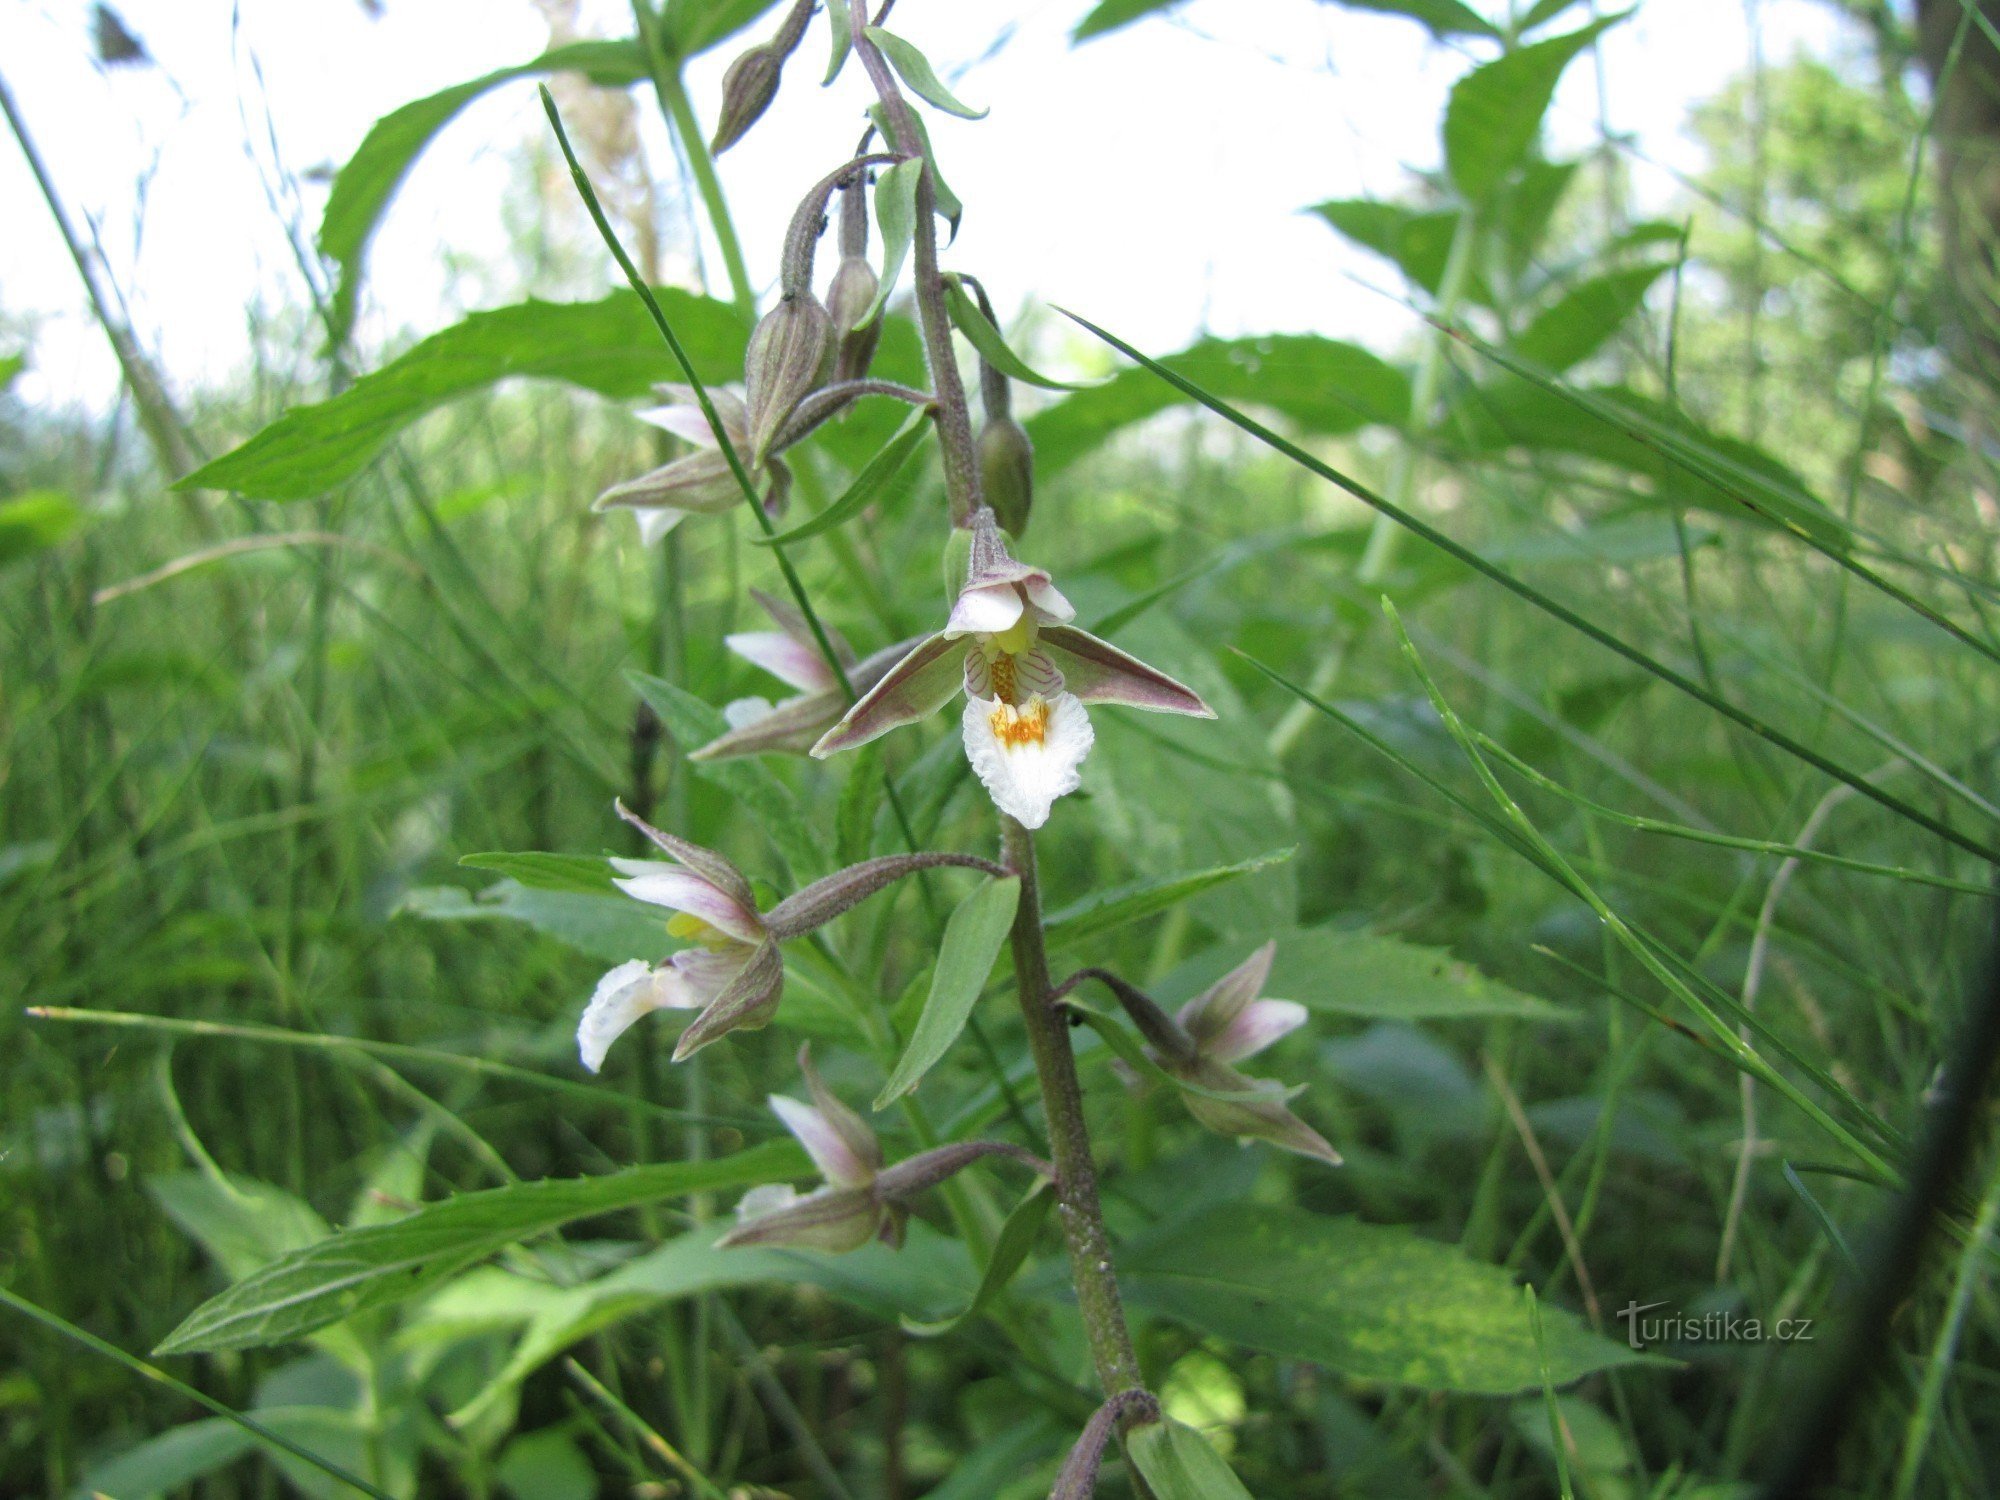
x=1151, y=179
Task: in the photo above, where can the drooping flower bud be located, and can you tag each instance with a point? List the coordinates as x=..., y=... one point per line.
x=751, y=82
x=786, y=360
x=747, y=91
x=849, y=299
x=1007, y=471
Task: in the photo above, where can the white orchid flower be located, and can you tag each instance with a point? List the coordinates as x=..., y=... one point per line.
x=1026, y=673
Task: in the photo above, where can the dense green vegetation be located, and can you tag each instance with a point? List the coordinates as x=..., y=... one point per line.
x=1624, y=830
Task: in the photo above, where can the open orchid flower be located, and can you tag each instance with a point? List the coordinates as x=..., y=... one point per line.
x=700, y=483
x=1224, y=1024
x=860, y=1201
x=791, y=654
x=731, y=971
x=1026, y=673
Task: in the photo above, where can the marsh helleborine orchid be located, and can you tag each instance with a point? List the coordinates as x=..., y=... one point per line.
x=1026, y=673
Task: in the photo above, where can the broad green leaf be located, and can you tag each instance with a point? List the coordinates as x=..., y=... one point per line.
x=397, y=1180
x=772, y=806
x=240, y=1221
x=11, y=365
x=546, y=1465
x=896, y=217
x=1442, y=18
x=1178, y=1464
x=915, y=69
x=362, y=189
x=867, y=485
x=1323, y=385
x=580, y=874
x=1344, y=973
x=35, y=522
x=1107, y=910
x=612, y=927
x=172, y=1462
x=694, y=26
x=1417, y=241
x=1109, y=15
x=972, y=940
x=1527, y=207
x=1365, y=1300
x=1542, y=12
x=1588, y=314
x=384, y=1263
x=841, y=24
x=1496, y=110
x=992, y=347
x=609, y=346
x=1011, y=1248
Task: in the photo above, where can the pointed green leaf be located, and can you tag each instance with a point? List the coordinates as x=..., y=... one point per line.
x=972, y=940
x=363, y=189
x=1371, y=1301
x=868, y=484
x=896, y=217
x=992, y=348
x=1010, y=1248
x=1442, y=18
x=35, y=522
x=1417, y=241
x=693, y=26
x=609, y=346
x=1178, y=1464
x=1585, y=317
x=915, y=69
x=1107, y=910
x=1112, y=14
x=383, y=1263
x=1496, y=110
x=612, y=927
x=584, y=874
x=948, y=205
x=840, y=21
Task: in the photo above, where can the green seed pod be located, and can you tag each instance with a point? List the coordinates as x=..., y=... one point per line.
x=747, y=91
x=786, y=360
x=848, y=301
x=1007, y=471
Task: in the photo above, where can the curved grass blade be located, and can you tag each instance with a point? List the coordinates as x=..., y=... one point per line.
x=874, y=476
x=1679, y=680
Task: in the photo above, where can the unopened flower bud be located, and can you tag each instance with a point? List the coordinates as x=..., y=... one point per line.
x=747, y=91
x=786, y=360
x=1007, y=471
x=850, y=299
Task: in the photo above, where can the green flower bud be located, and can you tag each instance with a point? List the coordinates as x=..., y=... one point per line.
x=848, y=301
x=786, y=361
x=1007, y=472
x=747, y=91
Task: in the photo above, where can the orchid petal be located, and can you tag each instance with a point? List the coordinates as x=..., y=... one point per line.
x=986, y=610
x=915, y=688
x=1250, y=1119
x=622, y=996
x=785, y=615
x=1027, y=756
x=1254, y=1028
x=800, y=666
x=1210, y=1012
x=857, y=1140
x=741, y=713
x=655, y=524
x=1098, y=672
x=688, y=423
x=712, y=867
x=791, y=726
x=747, y=1002
x=832, y=1219
x=1047, y=599
x=824, y=1142
x=683, y=890
x=728, y=403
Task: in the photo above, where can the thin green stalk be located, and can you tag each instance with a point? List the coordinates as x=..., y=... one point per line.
x=1077, y=1205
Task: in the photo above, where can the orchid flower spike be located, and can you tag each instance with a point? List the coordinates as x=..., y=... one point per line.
x=731, y=971
x=700, y=483
x=1027, y=674
x=791, y=654
x=860, y=1201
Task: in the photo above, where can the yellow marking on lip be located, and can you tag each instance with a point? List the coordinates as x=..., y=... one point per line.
x=692, y=929
x=1001, y=669
x=1015, y=727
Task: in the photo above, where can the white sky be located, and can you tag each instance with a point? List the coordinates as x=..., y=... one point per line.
x=1151, y=179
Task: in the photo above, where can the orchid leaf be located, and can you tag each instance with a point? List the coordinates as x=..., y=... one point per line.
x=992, y=347
x=1178, y=1464
x=1496, y=110
x=867, y=486
x=972, y=939
x=1011, y=1248
x=915, y=69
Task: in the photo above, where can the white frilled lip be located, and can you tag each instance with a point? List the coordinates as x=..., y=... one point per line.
x=622, y=996
x=1025, y=775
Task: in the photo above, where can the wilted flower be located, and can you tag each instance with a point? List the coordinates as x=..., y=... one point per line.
x=696, y=484
x=860, y=1200
x=1026, y=673
x=791, y=654
x=732, y=971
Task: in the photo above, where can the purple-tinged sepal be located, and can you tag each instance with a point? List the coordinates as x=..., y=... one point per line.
x=1098, y=672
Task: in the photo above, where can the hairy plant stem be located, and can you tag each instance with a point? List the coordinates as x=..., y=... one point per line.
x=953, y=415
x=1069, y=1137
